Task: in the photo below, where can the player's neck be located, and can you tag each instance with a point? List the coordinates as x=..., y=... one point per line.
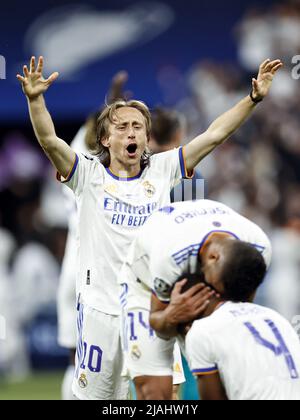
x=214, y=304
x=124, y=171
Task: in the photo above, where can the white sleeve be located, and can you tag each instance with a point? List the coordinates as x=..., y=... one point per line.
x=200, y=351
x=164, y=273
x=172, y=165
x=80, y=173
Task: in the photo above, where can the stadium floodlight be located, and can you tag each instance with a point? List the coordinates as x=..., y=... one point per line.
x=2, y=328
x=2, y=67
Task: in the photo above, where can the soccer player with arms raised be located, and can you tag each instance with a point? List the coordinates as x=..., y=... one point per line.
x=116, y=193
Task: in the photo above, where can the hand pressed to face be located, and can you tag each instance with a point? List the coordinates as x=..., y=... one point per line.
x=190, y=305
x=33, y=82
x=127, y=140
x=262, y=84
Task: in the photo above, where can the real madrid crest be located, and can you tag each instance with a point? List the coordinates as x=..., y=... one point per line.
x=149, y=189
x=135, y=352
x=82, y=381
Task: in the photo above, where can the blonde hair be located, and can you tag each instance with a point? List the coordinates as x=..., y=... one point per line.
x=106, y=117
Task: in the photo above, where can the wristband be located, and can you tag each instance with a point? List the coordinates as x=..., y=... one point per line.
x=256, y=101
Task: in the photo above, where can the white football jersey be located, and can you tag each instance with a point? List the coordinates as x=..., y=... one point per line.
x=111, y=211
x=169, y=243
x=254, y=349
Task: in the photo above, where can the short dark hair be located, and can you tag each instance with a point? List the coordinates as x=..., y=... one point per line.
x=244, y=271
x=165, y=123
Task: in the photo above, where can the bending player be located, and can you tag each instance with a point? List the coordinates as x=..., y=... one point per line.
x=167, y=247
x=116, y=193
x=238, y=350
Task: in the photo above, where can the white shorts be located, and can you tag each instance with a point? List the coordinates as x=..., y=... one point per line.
x=99, y=357
x=145, y=353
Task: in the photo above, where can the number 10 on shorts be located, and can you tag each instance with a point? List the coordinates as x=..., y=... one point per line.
x=93, y=356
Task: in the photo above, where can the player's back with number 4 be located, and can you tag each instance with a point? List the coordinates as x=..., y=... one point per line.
x=254, y=349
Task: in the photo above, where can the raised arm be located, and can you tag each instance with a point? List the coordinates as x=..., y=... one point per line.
x=116, y=91
x=34, y=85
x=223, y=127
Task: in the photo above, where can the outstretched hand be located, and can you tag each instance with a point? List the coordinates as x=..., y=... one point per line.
x=267, y=71
x=33, y=82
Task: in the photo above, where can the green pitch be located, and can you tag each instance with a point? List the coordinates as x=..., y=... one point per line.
x=39, y=386
x=46, y=386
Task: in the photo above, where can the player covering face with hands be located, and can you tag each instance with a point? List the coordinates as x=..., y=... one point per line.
x=239, y=350
x=177, y=241
x=115, y=197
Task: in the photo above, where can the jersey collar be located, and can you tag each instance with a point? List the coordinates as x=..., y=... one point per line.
x=126, y=179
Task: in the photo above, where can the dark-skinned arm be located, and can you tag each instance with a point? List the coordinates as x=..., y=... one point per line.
x=210, y=388
x=183, y=308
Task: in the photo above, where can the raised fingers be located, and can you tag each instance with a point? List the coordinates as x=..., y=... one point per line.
x=21, y=78
x=264, y=64
x=25, y=71
x=40, y=65
x=272, y=65
x=120, y=78
x=276, y=67
x=32, y=64
x=52, y=78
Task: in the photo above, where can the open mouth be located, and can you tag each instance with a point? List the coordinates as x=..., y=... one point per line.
x=131, y=149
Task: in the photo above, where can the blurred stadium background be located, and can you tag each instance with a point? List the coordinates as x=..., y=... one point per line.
x=196, y=57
